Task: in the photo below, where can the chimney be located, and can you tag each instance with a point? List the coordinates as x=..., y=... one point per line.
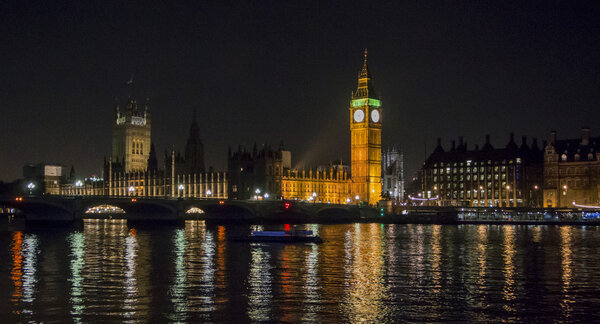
x=585, y=136
x=553, y=137
x=453, y=145
x=487, y=139
x=460, y=141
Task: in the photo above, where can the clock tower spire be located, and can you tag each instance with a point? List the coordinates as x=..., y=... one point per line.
x=365, y=139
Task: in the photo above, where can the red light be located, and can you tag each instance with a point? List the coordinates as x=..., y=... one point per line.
x=221, y=202
x=286, y=227
x=19, y=199
x=287, y=205
x=133, y=200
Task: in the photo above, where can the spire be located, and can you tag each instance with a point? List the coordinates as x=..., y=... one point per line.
x=194, y=149
x=365, y=85
x=364, y=73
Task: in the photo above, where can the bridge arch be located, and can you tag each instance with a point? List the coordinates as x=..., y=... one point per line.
x=105, y=209
x=40, y=210
x=194, y=210
x=134, y=209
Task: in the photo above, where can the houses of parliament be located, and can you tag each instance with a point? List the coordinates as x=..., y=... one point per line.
x=133, y=170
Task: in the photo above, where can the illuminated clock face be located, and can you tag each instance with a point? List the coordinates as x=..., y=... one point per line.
x=375, y=116
x=359, y=115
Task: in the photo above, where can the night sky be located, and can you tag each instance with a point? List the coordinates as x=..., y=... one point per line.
x=276, y=71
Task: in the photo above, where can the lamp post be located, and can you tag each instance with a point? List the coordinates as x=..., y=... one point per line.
x=257, y=192
x=131, y=190
x=78, y=185
x=31, y=186
x=314, y=196
x=536, y=200
x=208, y=193
x=181, y=187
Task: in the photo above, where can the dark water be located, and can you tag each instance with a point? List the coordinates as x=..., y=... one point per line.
x=111, y=271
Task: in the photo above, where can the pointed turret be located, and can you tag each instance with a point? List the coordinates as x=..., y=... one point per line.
x=365, y=87
x=194, y=149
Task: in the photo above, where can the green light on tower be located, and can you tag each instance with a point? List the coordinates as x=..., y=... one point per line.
x=366, y=101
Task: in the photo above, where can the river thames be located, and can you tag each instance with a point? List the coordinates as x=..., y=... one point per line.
x=108, y=270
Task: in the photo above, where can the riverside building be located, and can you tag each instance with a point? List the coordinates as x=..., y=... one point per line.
x=572, y=171
x=493, y=177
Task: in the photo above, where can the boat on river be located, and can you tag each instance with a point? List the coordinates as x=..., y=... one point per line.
x=281, y=237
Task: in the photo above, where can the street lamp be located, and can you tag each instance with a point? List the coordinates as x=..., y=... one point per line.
x=208, y=193
x=181, y=187
x=348, y=200
x=314, y=196
x=31, y=186
x=131, y=190
x=266, y=195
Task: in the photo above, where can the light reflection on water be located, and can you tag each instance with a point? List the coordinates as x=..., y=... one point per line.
x=361, y=273
x=566, y=253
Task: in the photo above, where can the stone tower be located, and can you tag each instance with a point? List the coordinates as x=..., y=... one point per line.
x=131, y=137
x=365, y=139
x=194, y=149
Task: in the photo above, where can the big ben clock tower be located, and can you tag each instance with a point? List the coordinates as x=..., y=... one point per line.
x=365, y=134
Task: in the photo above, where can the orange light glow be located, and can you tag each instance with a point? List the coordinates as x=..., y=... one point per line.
x=17, y=270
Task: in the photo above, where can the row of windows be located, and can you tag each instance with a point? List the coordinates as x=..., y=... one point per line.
x=475, y=169
x=573, y=184
x=468, y=163
x=462, y=185
x=572, y=171
x=468, y=177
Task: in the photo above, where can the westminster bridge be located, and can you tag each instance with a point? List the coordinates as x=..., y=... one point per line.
x=65, y=209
